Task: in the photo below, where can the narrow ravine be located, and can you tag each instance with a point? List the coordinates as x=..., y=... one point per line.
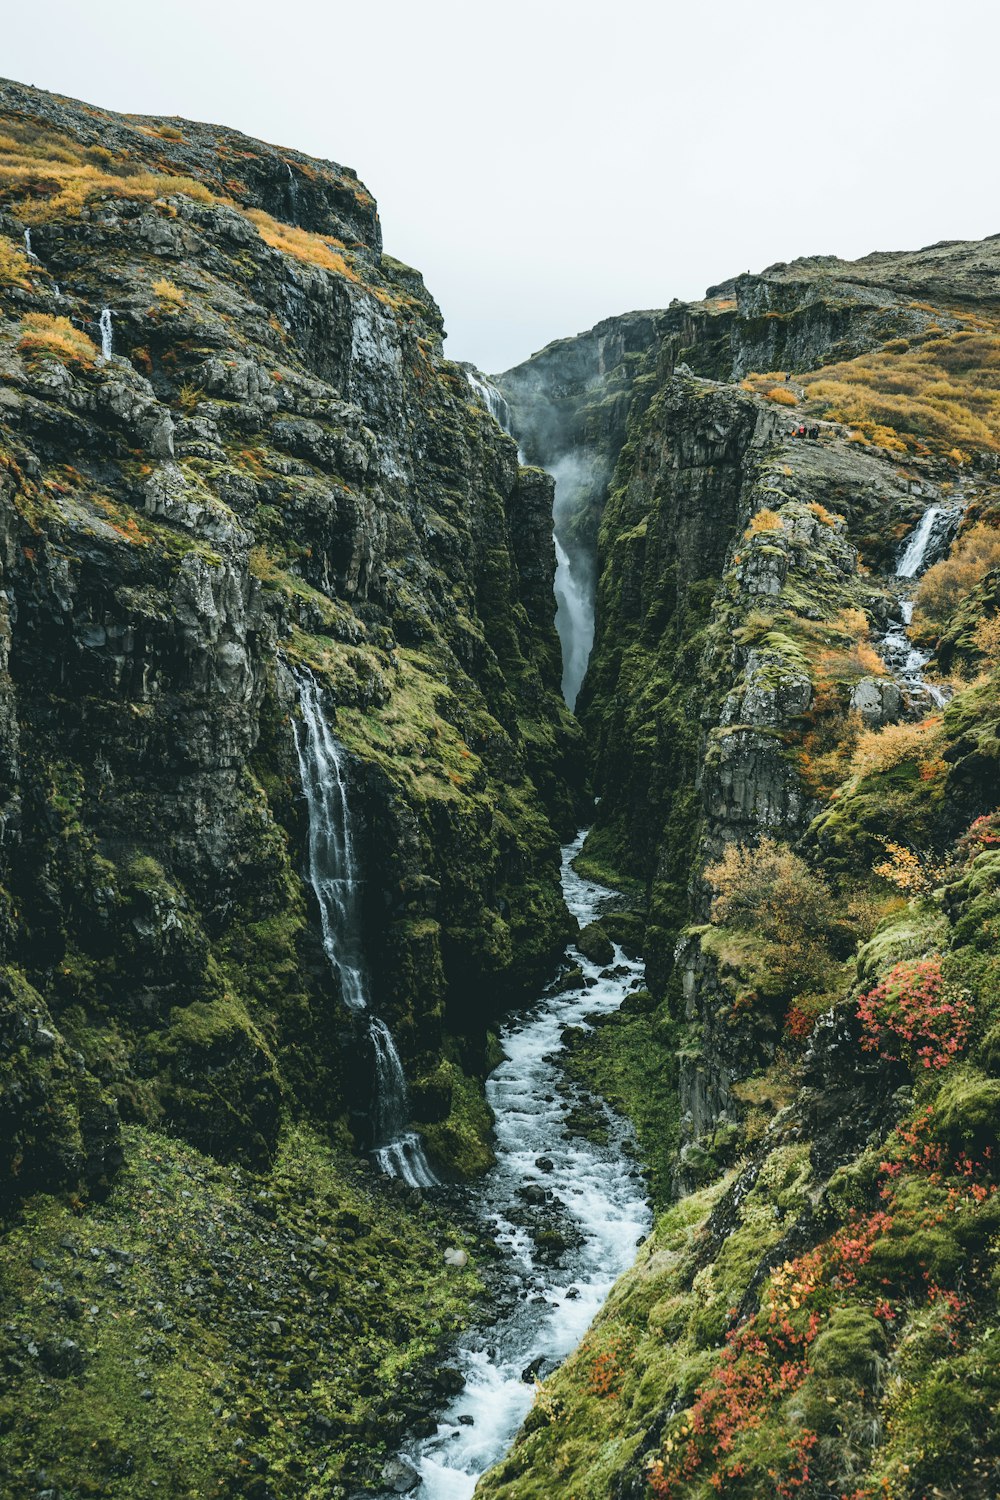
x=546, y=1179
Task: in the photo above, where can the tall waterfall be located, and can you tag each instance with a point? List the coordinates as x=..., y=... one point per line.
x=332, y=866
x=574, y=585
x=27, y=246
x=334, y=877
x=107, y=333
x=574, y=624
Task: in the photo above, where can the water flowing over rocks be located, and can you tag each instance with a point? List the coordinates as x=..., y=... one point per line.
x=583, y=1211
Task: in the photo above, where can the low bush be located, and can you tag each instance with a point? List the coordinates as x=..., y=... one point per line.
x=910, y=1016
x=45, y=336
x=943, y=587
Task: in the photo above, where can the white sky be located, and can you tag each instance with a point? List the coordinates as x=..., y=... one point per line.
x=547, y=163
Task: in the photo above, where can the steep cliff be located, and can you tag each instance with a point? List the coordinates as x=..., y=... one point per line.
x=801, y=808
x=231, y=449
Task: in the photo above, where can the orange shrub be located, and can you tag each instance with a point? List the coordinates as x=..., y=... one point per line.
x=56, y=338
x=948, y=582
x=880, y=750
x=764, y=520
x=782, y=395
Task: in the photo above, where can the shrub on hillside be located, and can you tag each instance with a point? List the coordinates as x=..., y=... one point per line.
x=879, y=750
x=770, y=894
x=911, y=1017
x=764, y=520
x=56, y=338
x=948, y=582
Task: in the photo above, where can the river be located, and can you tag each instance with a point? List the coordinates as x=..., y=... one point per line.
x=595, y=1197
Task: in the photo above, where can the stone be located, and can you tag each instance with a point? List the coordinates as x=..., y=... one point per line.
x=878, y=700
x=400, y=1476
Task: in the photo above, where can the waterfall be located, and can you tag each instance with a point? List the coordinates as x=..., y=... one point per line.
x=573, y=588
x=574, y=624
x=398, y=1151
x=27, y=246
x=574, y=583
x=494, y=401
x=334, y=877
x=931, y=530
x=107, y=334
x=906, y=661
x=332, y=865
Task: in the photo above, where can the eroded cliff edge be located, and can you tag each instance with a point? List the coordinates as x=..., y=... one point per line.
x=232, y=449
x=804, y=822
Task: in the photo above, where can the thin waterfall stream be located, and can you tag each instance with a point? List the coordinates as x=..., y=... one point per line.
x=335, y=879
x=927, y=541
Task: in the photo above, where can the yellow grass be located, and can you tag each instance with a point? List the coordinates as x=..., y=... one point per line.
x=312, y=249
x=165, y=291
x=45, y=176
x=782, y=396
x=942, y=392
x=764, y=520
x=56, y=338
x=15, y=267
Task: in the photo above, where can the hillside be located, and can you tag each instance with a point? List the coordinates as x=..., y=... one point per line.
x=803, y=811
x=285, y=768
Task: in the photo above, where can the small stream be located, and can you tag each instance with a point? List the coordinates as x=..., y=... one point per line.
x=594, y=1196
x=927, y=542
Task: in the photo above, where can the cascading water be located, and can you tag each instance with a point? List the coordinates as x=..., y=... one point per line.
x=333, y=875
x=574, y=624
x=573, y=590
x=107, y=333
x=27, y=246
x=905, y=660
x=591, y=1194
x=494, y=400
x=332, y=864
x=574, y=585
x=398, y=1151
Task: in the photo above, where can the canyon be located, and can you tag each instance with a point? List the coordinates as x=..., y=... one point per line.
x=498, y=872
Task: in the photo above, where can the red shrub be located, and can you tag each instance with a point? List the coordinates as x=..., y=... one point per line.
x=910, y=1017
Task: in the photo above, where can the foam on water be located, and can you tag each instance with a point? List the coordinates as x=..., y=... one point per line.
x=603, y=1196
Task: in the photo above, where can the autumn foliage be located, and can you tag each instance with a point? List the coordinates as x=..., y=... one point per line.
x=911, y=1017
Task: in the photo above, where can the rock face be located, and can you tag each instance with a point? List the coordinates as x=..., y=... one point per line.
x=274, y=467
x=808, y=848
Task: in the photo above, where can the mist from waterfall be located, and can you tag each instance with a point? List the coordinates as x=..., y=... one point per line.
x=336, y=881
x=575, y=583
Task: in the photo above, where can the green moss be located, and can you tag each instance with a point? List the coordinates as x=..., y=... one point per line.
x=628, y=1060
x=226, y=1326
x=460, y=1144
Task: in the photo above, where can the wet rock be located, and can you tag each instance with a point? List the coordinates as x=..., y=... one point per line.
x=399, y=1476
x=878, y=700
x=595, y=945
x=61, y=1357
x=532, y=1372
x=532, y=1193
x=544, y=1163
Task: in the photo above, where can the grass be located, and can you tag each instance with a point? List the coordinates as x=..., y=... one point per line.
x=46, y=337
x=941, y=392
x=15, y=267
x=174, y=1291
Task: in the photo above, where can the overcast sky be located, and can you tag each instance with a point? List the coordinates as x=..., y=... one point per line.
x=546, y=163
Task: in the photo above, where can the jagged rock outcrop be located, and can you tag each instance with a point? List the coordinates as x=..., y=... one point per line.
x=274, y=463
